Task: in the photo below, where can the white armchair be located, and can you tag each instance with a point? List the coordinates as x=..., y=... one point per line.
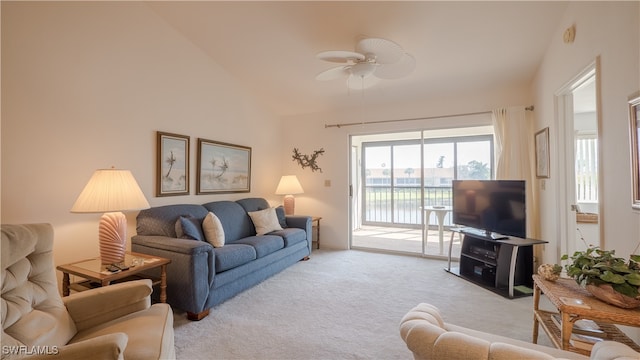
x=429, y=337
x=113, y=322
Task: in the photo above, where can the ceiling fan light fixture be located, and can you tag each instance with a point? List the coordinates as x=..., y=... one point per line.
x=360, y=83
x=363, y=69
x=374, y=59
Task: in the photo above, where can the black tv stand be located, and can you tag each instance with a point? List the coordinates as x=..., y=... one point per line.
x=502, y=264
x=496, y=236
x=481, y=233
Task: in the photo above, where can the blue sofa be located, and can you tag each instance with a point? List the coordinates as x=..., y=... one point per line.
x=201, y=276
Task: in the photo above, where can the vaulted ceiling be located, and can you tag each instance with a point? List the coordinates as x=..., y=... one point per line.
x=459, y=47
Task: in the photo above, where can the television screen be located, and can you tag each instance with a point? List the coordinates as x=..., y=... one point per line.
x=497, y=206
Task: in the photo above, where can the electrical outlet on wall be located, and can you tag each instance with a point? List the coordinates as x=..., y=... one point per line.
x=327, y=183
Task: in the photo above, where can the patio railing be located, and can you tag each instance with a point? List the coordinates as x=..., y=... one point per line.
x=400, y=205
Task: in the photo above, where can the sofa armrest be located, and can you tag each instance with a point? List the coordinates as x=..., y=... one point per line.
x=104, y=347
x=301, y=222
x=96, y=306
x=609, y=350
x=190, y=273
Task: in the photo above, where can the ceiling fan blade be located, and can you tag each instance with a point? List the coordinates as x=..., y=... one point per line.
x=397, y=70
x=358, y=82
x=340, y=56
x=386, y=51
x=334, y=73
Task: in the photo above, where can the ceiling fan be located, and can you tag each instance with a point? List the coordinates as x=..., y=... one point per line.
x=373, y=60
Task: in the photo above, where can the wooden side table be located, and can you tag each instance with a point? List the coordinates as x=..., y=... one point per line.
x=603, y=314
x=96, y=274
x=315, y=223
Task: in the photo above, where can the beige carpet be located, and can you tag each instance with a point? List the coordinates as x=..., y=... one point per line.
x=345, y=305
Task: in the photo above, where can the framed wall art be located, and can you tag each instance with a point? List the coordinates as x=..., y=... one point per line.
x=222, y=168
x=634, y=136
x=172, y=174
x=542, y=153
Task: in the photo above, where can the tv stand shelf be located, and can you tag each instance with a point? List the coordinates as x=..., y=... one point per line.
x=503, y=265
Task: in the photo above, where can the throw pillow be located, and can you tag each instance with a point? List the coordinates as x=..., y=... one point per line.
x=265, y=221
x=282, y=218
x=189, y=228
x=213, y=231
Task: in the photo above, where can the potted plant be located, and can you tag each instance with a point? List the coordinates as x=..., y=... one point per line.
x=609, y=278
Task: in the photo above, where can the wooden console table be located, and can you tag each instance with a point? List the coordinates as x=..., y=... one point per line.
x=603, y=314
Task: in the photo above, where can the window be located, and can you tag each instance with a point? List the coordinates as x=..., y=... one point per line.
x=394, y=172
x=586, y=153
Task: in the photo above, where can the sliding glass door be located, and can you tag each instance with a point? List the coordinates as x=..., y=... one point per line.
x=402, y=176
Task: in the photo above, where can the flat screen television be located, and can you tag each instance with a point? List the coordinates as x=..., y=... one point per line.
x=497, y=208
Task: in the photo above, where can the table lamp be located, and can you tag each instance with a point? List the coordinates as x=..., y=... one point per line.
x=289, y=186
x=111, y=191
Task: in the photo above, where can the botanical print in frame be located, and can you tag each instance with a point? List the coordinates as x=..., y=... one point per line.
x=222, y=168
x=172, y=177
x=542, y=153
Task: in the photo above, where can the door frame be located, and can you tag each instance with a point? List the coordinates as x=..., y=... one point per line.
x=563, y=103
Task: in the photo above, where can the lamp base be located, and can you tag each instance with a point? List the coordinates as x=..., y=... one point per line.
x=112, y=235
x=289, y=204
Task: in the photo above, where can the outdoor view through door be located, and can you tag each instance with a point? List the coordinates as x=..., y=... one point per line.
x=403, y=184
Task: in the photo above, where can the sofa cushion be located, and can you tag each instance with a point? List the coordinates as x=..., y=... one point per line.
x=264, y=245
x=154, y=342
x=233, y=255
x=265, y=221
x=188, y=227
x=282, y=217
x=253, y=204
x=161, y=220
x=291, y=235
x=494, y=338
x=213, y=231
x=502, y=351
x=234, y=219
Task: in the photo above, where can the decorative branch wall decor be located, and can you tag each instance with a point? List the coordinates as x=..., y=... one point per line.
x=308, y=160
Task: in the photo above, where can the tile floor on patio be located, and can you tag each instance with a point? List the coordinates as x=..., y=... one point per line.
x=405, y=240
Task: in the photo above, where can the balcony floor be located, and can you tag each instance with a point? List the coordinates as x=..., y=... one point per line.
x=405, y=240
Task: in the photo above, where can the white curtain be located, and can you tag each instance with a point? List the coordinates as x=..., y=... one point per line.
x=515, y=156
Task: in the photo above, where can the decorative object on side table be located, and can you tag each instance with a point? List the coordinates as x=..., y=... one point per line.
x=111, y=191
x=289, y=186
x=611, y=279
x=550, y=272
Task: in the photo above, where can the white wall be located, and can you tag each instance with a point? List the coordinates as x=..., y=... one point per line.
x=609, y=30
x=309, y=133
x=86, y=86
x=612, y=31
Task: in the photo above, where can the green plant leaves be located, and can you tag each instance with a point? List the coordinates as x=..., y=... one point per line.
x=596, y=266
x=610, y=277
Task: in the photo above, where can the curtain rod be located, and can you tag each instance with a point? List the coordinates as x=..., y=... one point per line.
x=529, y=108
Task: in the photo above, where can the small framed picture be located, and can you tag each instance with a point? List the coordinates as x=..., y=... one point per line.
x=542, y=153
x=634, y=140
x=172, y=174
x=222, y=168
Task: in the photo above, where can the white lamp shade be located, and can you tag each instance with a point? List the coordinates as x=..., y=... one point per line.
x=289, y=185
x=110, y=190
